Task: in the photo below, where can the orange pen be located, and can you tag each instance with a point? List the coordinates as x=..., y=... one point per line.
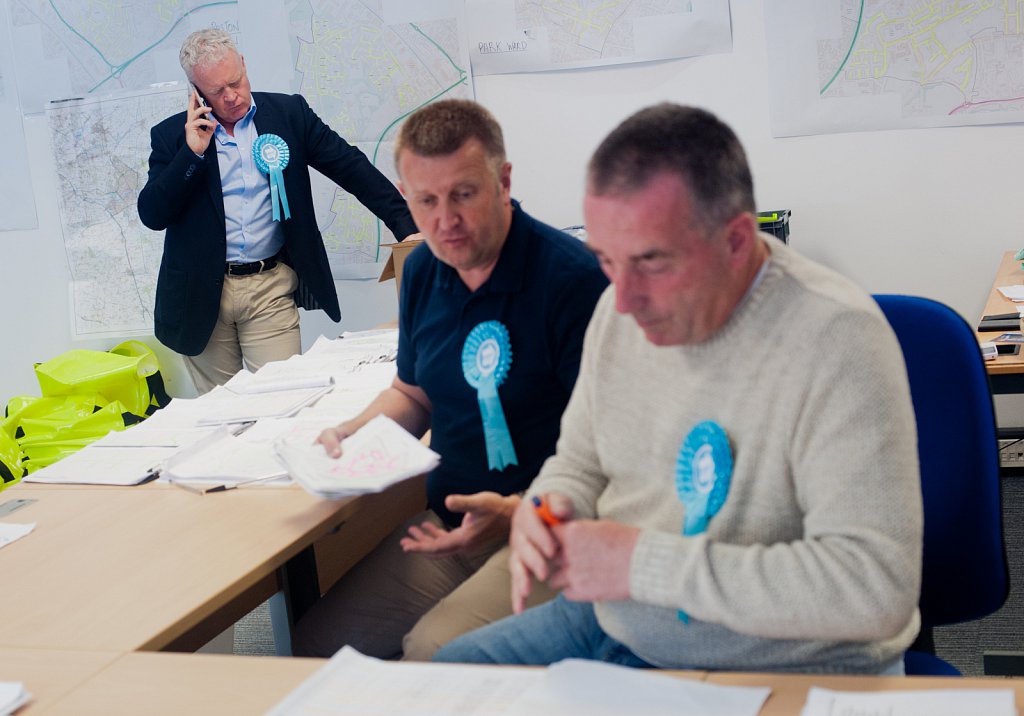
x=543, y=510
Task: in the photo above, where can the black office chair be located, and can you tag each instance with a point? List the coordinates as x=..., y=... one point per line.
x=965, y=569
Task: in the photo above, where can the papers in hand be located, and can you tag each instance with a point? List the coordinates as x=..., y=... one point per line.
x=378, y=455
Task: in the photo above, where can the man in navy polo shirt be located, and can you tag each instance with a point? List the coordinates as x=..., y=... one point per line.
x=491, y=323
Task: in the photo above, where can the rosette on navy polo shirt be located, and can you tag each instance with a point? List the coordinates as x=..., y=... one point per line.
x=486, y=360
x=271, y=154
x=703, y=474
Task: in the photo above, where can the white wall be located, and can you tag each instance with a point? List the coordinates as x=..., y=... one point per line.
x=926, y=212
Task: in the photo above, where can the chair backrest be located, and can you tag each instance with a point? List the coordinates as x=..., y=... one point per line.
x=965, y=567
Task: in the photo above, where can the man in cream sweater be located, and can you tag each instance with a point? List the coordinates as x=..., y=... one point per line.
x=736, y=483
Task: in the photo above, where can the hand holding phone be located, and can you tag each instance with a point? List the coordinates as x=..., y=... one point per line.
x=199, y=122
x=200, y=102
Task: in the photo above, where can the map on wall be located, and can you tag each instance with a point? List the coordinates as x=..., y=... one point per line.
x=364, y=66
x=101, y=148
x=78, y=49
x=535, y=35
x=852, y=65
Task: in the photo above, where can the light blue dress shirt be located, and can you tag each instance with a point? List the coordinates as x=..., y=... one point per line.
x=252, y=233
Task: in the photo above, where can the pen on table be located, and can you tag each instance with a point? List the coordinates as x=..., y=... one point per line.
x=543, y=510
x=239, y=428
x=223, y=487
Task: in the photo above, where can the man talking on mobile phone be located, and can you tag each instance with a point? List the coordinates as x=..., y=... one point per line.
x=229, y=183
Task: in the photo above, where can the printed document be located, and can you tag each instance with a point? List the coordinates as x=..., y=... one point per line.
x=937, y=702
x=377, y=456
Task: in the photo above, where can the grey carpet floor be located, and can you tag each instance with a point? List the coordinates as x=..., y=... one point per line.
x=253, y=634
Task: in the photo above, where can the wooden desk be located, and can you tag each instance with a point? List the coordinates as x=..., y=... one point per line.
x=160, y=683
x=49, y=675
x=1006, y=372
x=155, y=684
x=154, y=568
x=789, y=691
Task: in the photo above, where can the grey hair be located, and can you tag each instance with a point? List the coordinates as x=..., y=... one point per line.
x=207, y=46
x=688, y=142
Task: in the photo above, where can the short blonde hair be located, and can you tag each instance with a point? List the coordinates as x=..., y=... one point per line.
x=202, y=47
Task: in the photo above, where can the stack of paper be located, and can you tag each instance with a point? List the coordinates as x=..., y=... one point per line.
x=275, y=377
x=358, y=366
x=1014, y=293
x=377, y=456
x=223, y=458
x=105, y=466
x=594, y=688
x=250, y=406
x=351, y=683
x=937, y=702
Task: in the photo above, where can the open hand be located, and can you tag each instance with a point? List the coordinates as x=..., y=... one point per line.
x=486, y=518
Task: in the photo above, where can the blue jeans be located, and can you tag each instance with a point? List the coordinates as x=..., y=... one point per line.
x=559, y=629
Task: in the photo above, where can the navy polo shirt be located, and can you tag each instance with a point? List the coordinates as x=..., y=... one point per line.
x=543, y=288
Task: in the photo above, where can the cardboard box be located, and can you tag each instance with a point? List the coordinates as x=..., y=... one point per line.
x=393, y=268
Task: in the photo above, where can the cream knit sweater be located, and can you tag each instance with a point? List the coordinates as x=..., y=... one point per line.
x=814, y=561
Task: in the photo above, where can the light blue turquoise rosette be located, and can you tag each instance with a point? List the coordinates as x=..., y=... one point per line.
x=271, y=154
x=703, y=474
x=486, y=360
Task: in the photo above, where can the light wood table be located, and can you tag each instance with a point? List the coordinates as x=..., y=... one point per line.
x=154, y=567
x=49, y=675
x=1006, y=372
x=789, y=691
x=161, y=683
x=196, y=684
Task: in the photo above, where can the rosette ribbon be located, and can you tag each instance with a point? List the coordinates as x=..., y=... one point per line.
x=703, y=474
x=271, y=155
x=486, y=360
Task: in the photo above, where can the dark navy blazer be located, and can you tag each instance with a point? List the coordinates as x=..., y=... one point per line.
x=183, y=195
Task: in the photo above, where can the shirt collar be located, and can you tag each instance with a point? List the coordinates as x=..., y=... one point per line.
x=222, y=134
x=510, y=269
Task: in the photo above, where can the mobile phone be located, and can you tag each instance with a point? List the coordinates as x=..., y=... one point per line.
x=202, y=103
x=202, y=100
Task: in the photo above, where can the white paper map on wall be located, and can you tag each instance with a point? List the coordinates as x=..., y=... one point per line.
x=76, y=49
x=535, y=35
x=101, y=149
x=853, y=65
x=364, y=67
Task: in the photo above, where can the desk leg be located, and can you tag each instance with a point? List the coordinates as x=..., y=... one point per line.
x=300, y=584
x=280, y=626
